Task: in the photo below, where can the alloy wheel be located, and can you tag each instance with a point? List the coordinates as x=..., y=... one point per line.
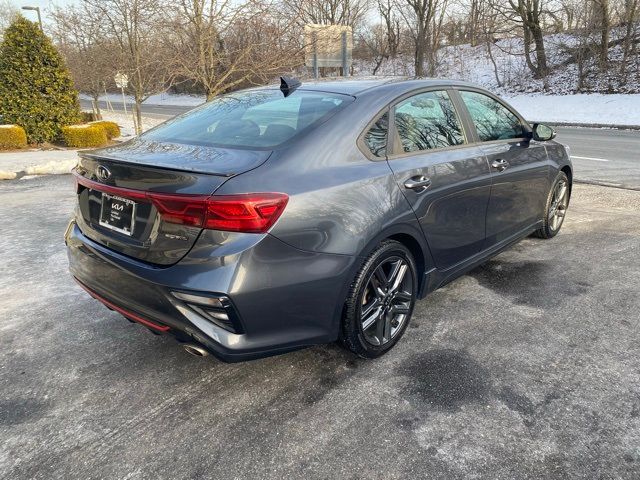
x=386, y=301
x=558, y=207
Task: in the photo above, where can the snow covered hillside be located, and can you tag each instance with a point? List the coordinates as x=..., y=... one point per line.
x=510, y=73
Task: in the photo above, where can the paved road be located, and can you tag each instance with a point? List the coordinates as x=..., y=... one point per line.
x=604, y=155
x=529, y=367
x=156, y=111
x=599, y=155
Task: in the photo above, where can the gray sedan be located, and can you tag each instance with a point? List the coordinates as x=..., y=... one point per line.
x=276, y=218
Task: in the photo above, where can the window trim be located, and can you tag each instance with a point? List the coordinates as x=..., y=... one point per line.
x=468, y=128
x=474, y=132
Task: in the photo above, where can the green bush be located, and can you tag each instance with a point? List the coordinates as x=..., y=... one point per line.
x=36, y=90
x=12, y=136
x=82, y=136
x=111, y=128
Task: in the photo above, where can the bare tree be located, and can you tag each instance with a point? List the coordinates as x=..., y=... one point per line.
x=474, y=21
x=85, y=43
x=136, y=27
x=327, y=12
x=387, y=10
x=489, y=26
x=424, y=19
x=528, y=14
x=376, y=42
x=221, y=47
x=630, y=22
x=8, y=13
x=603, y=20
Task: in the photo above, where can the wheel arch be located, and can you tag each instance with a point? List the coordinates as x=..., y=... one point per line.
x=569, y=173
x=408, y=235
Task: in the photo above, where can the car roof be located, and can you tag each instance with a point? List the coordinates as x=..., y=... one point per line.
x=355, y=87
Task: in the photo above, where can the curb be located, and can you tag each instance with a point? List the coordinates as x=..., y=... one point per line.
x=589, y=125
x=606, y=184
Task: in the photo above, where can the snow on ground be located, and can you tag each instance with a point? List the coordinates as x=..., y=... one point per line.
x=23, y=163
x=125, y=122
x=36, y=162
x=159, y=99
x=597, y=109
x=592, y=108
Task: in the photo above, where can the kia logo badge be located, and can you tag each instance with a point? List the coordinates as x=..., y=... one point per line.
x=103, y=172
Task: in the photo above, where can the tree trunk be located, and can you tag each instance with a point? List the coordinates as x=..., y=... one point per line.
x=527, y=49
x=541, y=55
x=629, y=17
x=419, y=55
x=138, y=112
x=493, y=61
x=96, y=108
x=605, y=27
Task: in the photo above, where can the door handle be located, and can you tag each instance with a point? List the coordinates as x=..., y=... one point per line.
x=418, y=183
x=500, y=165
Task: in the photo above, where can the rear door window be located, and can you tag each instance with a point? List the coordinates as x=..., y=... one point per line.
x=254, y=119
x=493, y=121
x=376, y=137
x=428, y=121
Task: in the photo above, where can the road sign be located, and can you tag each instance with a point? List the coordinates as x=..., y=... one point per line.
x=121, y=80
x=328, y=45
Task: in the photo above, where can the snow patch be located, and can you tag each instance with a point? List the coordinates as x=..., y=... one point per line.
x=53, y=167
x=125, y=122
x=595, y=108
x=164, y=98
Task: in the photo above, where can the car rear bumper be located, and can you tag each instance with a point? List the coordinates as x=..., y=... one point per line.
x=284, y=298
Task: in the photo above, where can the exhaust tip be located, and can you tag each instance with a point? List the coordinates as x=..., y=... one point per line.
x=195, y=350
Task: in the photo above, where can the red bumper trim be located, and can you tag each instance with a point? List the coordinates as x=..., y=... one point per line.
x=122, y=311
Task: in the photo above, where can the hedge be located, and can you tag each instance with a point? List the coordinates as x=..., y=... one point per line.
x=81, y=136
x=111, y=128
x=12, y=136
x=36, y=90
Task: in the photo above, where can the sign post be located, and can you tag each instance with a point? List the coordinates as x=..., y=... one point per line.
x=345, y=66
x=314, y=37
x=121, y=82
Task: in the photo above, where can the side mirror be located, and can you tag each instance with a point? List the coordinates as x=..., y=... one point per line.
x=543, y=132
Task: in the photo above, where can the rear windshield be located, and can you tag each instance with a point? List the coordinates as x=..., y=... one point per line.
x=254, y=119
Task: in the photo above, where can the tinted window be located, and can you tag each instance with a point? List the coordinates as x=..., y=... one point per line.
x=427, y=121
x=376, y=136
x=493, y=120
x=263, y=118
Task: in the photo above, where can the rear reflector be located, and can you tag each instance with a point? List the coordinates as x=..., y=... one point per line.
x=247, y=212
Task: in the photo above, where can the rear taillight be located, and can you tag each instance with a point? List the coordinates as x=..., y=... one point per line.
x=250, y=212
x=247, y=212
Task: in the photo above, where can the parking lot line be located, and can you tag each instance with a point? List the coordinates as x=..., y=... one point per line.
x=590, y=158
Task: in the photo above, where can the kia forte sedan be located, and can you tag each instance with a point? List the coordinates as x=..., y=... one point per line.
x=276, y=218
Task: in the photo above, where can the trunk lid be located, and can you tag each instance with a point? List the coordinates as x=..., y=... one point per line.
x=112, y=208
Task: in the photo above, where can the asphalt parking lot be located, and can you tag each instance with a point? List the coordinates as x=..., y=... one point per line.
x=528, y=367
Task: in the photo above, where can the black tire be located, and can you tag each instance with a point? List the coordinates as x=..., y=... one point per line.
x=551, y=222
x=395, y=306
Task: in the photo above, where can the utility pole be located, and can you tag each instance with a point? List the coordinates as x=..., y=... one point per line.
x=37, y=9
